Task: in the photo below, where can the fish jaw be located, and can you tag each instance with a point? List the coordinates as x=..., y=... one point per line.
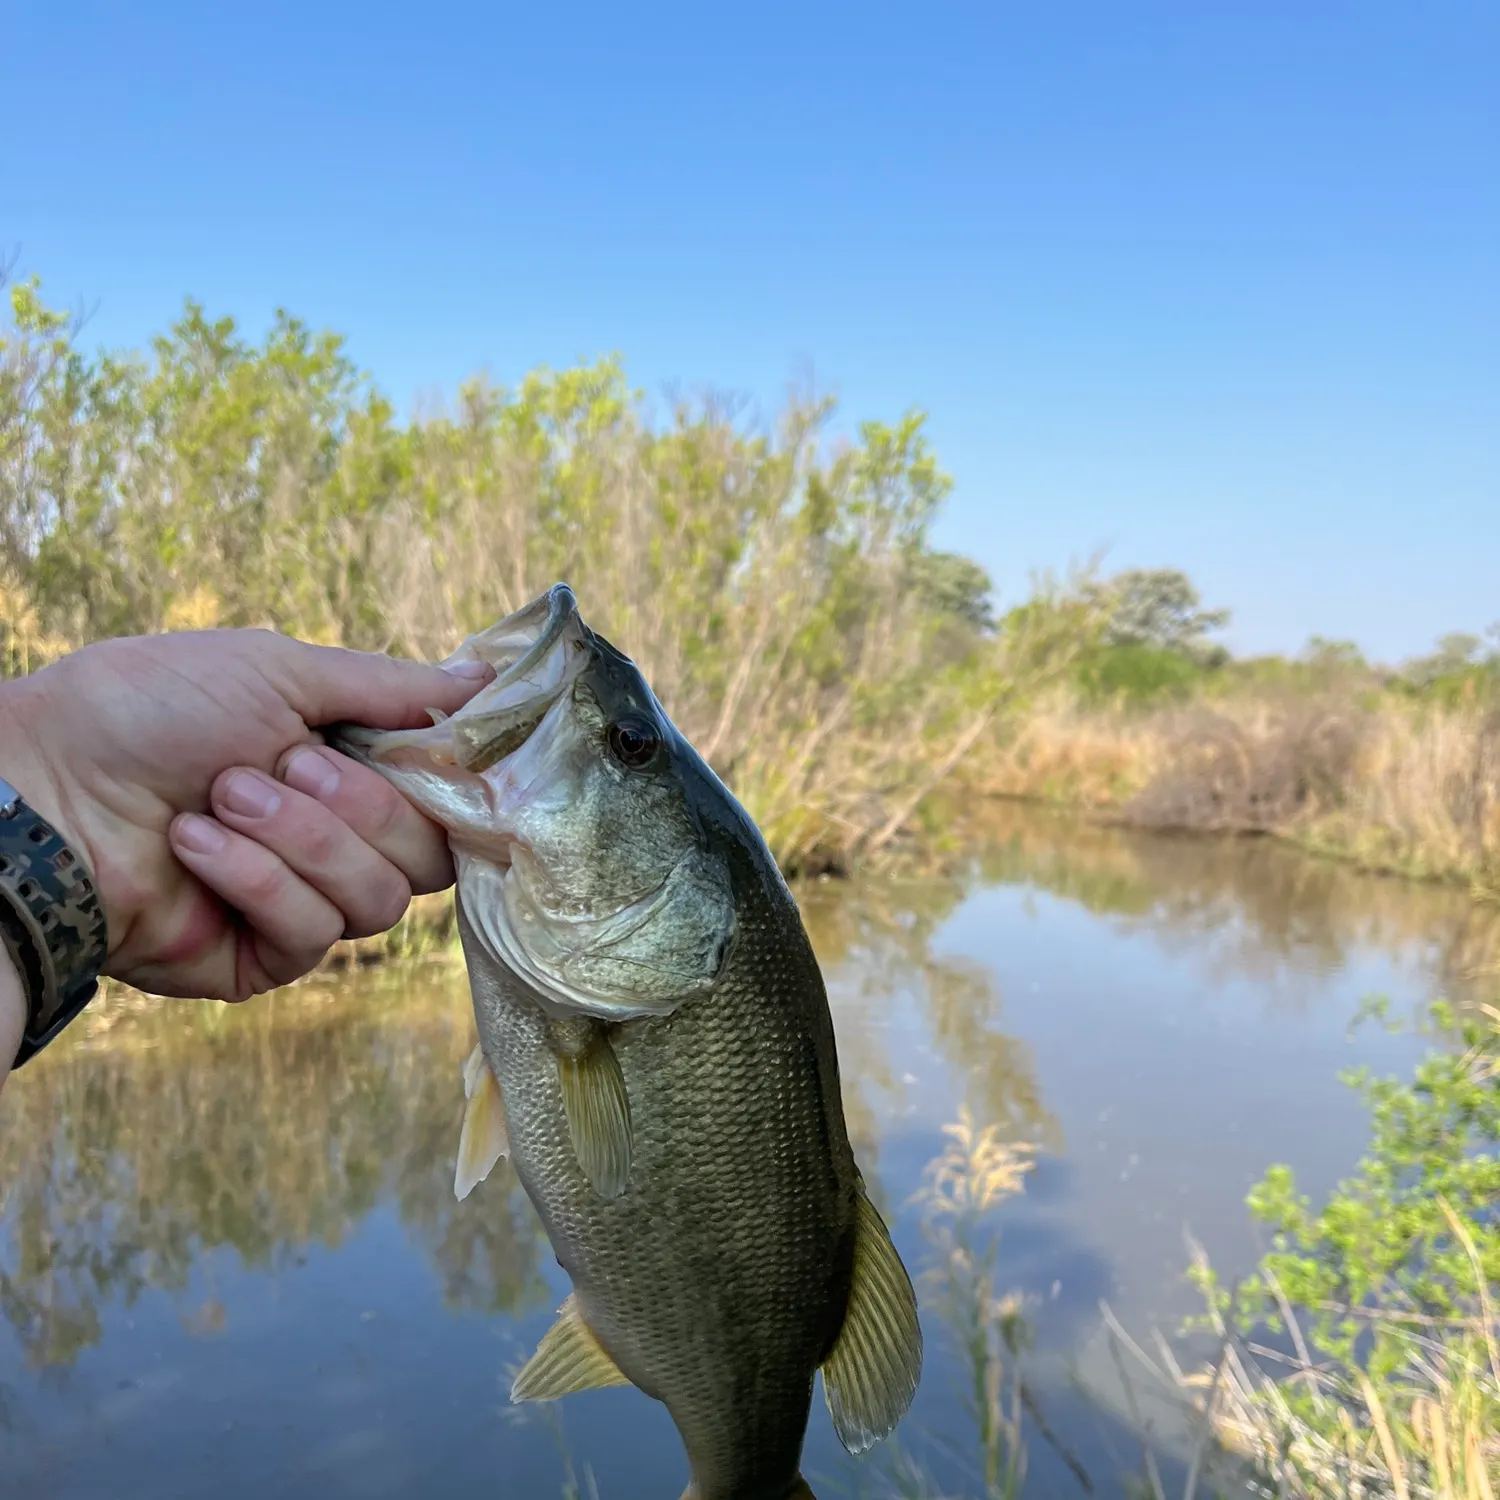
x=453, y=768
x=523, y=636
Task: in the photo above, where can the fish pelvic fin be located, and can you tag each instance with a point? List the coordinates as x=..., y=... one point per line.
x=871, y=1376
x=569, y=1358
x=598, y=1112
x=482, y=1141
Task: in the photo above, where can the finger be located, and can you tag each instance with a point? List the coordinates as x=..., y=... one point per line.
x=365, y=801
x=317, y=846
x=326, y=684
x=288, y=925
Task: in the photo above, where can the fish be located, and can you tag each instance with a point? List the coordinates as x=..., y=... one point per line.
x=656, y=1057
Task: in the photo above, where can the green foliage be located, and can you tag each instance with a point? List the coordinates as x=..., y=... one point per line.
x=1151, y=645
x=1325, y=655
x=1381, y=1260
x=1139, y=674
x=778, y=589
x=1460, y=669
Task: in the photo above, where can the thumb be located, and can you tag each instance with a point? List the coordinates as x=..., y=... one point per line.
x=326, y=684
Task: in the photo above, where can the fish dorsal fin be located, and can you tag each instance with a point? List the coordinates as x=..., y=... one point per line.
x=871, y=1376
x=482, y=1141
x=598, y=1111
x=569, y=1358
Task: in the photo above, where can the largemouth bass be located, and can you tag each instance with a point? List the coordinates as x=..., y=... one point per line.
x=657, y=1056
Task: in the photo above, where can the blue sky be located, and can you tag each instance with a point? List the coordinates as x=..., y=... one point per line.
x=1215, y=286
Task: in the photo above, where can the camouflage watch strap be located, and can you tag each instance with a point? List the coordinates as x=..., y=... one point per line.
x=51, y=920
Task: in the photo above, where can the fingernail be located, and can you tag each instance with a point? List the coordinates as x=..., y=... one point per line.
x=473, y=669
x=198, y=835
x=251, y=796
x=307, y=771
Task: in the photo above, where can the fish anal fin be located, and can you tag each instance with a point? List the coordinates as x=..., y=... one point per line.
x=871, y=1376
x=568, y=1359
x=598, y=1112
x=482, y=1141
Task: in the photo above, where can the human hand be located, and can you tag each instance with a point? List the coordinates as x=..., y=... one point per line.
x=126, y=745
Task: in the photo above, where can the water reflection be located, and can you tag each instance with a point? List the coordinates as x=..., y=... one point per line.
x=180, y=1151
x=162, y=1132
x=876, y=945
x=1251, y=908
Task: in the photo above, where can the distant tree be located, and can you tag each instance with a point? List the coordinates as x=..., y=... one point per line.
x=1159, y=607
x=1327, y=655
x=1456, y=652
x=956, y=586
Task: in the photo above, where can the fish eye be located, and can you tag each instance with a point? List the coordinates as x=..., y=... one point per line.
x=633, y=741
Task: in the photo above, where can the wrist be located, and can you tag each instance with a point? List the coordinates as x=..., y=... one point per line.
x=32, y=765
x=53, y=931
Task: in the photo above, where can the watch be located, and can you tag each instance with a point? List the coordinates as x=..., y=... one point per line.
x=51, y=920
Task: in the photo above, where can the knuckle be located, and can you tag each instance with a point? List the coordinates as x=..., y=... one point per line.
x=382, y=807
x=263, y=638
x=264, y=885
x=318, y=840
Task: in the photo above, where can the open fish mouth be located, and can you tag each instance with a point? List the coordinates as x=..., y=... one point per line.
x=536, y=653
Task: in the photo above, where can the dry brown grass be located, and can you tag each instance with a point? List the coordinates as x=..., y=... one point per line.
x=1425, y=795
x=1400, y=787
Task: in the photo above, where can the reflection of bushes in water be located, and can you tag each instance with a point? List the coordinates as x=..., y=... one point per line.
x=137, y=1144
x=157, y=1130
x=1268, y=908
x=874, y=941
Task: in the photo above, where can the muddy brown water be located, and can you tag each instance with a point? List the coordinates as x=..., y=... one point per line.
x=231, y=1262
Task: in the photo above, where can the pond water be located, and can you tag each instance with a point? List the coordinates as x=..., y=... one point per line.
x=231, y=1262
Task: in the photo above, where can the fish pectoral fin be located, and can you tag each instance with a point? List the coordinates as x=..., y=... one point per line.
x=482, y=1141
x=871, y=1376
x=569, y=1358
x=598, y=1111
